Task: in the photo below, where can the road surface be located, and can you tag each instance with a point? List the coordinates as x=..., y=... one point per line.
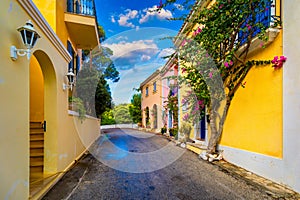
x=130, y=164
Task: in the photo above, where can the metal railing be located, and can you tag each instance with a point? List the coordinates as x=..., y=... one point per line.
x=263, y=17
x=81, y=7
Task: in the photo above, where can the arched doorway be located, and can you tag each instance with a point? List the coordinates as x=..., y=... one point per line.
x=36, y=119
x=147, y=117
x=154, y=114
x=43, y=116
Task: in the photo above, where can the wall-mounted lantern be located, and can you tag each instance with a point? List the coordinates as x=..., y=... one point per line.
x=29, y=37
x=71, y=80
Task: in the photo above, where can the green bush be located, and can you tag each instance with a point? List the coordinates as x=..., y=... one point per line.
x=163, y=130
x=173, y=131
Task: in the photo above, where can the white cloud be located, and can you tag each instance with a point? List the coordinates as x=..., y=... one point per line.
x=122, y=38
x=112, y=19
x=150, y=13
x=166, y=52
x=145, y=57
x=125, y=18
x=122, y=48
x=128, y=54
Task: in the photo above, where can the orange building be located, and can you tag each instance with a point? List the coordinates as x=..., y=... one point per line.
x=151, y=102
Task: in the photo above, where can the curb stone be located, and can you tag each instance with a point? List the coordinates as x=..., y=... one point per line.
x=273, y=189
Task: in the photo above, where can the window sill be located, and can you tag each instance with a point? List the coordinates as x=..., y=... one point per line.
x=255, y=45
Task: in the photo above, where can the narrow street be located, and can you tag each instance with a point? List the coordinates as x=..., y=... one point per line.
x=133, y=170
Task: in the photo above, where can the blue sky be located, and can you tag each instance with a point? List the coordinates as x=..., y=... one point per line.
x=134, y=33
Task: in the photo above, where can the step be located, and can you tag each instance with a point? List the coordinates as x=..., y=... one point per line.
x=36, y=146
x=36, y=175
x=37, y=159
x=36, y=125
x=37, y=154
x=37, y=164
x=36, y=130
x=36, y=150
x=40, y=138
x=36, y=169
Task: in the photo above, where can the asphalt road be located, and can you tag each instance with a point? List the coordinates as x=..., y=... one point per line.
x=129, y=164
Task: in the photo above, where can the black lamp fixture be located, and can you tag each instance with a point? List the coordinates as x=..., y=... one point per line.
x=29, y=37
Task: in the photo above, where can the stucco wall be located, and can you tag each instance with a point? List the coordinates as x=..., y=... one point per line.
x=254, y=120
x=283, y=169
x=63, y=138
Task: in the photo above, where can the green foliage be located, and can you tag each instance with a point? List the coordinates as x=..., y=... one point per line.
x=77, y=106
x=91, y=85
x=103, y=64
x=86, y=85
x=122, y=115
x=135, y=108
x=216, y=57
x=172, y=105
x=163, y=130
x=101, y=32
x=103, y=99
x=107, y=118
x=173, y=132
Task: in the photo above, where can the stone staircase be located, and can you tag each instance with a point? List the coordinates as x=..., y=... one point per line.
x=36, y=149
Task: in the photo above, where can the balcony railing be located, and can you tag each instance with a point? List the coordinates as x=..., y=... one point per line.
x=81, y=7
x=265, y=18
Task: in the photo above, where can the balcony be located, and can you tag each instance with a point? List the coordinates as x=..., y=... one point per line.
x=80, y=19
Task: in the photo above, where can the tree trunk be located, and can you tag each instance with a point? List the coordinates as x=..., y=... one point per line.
x=216, y=131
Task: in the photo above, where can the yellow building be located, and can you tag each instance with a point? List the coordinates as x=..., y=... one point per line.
x=260, y=129
x=40, y=137
x=151, y=102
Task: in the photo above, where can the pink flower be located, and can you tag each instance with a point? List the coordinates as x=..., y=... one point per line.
x=278, y=63
x=186, y=117
x=261, y=44
x=275, y=59
x=221, y=6
x=183, y=43
x=196, y=32
x=210, y=74
x=282, y=58
x=248, y=26
x=160, y=4
x=230, y=63
x=201, y=103
x=226, y=64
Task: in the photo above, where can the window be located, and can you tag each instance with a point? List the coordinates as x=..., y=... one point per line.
x=154, y=87
x=74, y=64
x=72, y=53
x=263, y=16
x=147, y=91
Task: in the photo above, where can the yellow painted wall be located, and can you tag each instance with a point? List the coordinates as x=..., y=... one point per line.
x=254, y=121
x=36, y=91
x=15, y=107
x=48, y=10
x=62, y=31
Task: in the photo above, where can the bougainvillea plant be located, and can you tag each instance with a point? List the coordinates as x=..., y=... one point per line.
x=215, y=54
